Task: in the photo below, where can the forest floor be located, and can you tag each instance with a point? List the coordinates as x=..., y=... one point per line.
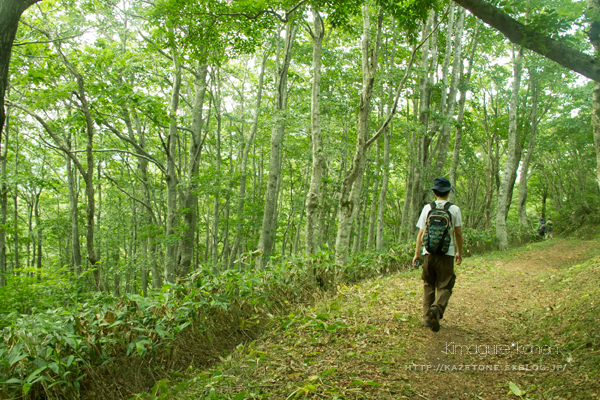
x=522, y=323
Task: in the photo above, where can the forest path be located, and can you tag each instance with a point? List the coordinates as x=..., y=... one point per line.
x=367, y=342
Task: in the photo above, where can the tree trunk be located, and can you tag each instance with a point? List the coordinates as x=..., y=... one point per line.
x=373, y=211
x=88, y=171
x=349, y=201
x=3, y=205
x=425, y=84
x=149, y=246
x=594, y=37
x=449, y=112
x=189, y=198
x=39, y=229
x=16, y=246
x=385, y=166
x=524, y=175
x=172, y=181
x=406, y=207
x=464, y=86
x=216, y=204
x=244, y=164
x=10, y=14
x=89, y=191
x=544, y=197
x=510, y=166
x=73, y=210
x=491, y=166
x=269, y=222
x=384, y=185
x=447, y=57
x=318, y=159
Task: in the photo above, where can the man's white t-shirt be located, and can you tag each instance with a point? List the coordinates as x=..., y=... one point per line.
x=456, y=221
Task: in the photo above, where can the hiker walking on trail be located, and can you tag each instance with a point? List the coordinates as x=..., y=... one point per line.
x=440, y=237
x=549, y=228
x=541, y=230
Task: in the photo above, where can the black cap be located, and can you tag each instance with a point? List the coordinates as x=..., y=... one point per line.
x=442, y=185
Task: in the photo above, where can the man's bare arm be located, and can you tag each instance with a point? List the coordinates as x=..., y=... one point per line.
x=459, y=244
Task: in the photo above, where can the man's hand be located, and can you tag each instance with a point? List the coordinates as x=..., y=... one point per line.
x=459, y=244
x=458, y=259
x=419, y=246
x=416, y=257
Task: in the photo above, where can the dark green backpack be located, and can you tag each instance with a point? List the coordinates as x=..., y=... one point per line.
x=438, y=229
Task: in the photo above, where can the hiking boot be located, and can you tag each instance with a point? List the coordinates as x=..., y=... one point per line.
x=434, y=317
x=426, y=322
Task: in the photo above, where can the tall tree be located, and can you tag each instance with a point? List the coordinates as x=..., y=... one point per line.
x=349, y=200
x=511, y=163
x=318, y=158
x=594, y=36
x=269, y=222
x=10, y=14
x=243, y=166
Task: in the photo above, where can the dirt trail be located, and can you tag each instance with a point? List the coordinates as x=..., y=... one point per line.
x=484, y=311
x=368, y=342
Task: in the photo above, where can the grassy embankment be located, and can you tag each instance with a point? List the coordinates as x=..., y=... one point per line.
x=528, y=309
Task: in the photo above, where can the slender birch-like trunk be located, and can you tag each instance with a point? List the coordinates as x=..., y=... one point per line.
x=385, y=164
x=491, y=169
x=510, y=166
x=16, y=245
x=269, y=222
x=73, y=206
x=88, y=171
x=524, y=175
x=39, y=229
x=3, y=203
x=244, y=164
x=373, y=211
x=171, y=179
x=189, y=198
x=318, y=158
x=449, y=112
x=447, y=57
x=379, y=241
x=417, y=195
x=349, y=200
x=217, y=199
x=464, y=86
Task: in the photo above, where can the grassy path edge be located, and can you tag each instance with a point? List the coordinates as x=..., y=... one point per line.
x=366, y=341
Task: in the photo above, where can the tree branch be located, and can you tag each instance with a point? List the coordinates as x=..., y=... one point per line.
x=45, y=41
x=131, y=196
x=527, y=37
x=403, y=81
x=54, y=137
x=140, y=151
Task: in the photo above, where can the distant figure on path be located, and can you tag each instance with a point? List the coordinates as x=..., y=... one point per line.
x=440, y=237
x=541, y=230
x=549, y=228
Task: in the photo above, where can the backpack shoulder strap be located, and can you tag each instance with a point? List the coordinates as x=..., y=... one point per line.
x=432, y=207
x=447, y=209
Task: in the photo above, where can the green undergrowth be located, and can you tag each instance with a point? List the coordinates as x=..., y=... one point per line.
x=106, y=347
x=63, y=352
